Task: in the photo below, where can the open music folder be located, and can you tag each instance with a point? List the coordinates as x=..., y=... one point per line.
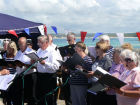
x=6, y=81
x=111, y=81
x=35, y=57
x=105, y=80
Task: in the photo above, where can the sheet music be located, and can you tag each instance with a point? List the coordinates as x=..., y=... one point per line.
x=33, y=56
x=6, y=80
x=101, y=70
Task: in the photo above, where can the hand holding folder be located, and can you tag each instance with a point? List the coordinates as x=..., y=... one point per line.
x=105, y=80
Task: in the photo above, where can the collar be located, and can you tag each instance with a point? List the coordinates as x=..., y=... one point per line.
x=136, y=69
x=47, y=49
x=26, y=51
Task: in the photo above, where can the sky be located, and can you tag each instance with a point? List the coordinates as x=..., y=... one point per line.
x=78, y=15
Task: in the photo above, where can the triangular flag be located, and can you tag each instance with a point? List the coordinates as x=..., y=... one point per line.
x=13, y=32
x=41, y=29
x=83, y=35
x=120, y=37
x=138, y=34
x=96, y=35
x=27, y=31
x=45, y=29
x=54, y=29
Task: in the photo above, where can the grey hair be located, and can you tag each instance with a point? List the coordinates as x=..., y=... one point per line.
x=130, y=54
x=118, y=50
x=43, y=38
x=71, y=34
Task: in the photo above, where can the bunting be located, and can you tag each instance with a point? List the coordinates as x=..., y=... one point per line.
x=54, y=29
x=13, y=32
x=27, y=31
x=96, y=35
x=120, y=37
x=41, y=29
x=45, y=29
x=138, y=34
x=83, y=35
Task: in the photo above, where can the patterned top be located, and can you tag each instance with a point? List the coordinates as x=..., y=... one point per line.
x=132, y=78
x=110, y=52
x=12, y=70
x=79, y=78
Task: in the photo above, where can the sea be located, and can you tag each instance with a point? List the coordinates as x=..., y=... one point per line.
x=89, y=42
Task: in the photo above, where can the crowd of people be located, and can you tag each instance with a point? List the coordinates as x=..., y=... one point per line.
x=40, y=82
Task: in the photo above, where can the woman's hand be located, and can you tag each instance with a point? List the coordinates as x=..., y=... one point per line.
x=4, y=72
x=90, y=74
x=79, y=67
x=119, y=91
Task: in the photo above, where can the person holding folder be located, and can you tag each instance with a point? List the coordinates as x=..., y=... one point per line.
x=130, y=93
x=78, y=81
x=46, y=81
x=29, y=77
x=104, y=61
x=9, y=68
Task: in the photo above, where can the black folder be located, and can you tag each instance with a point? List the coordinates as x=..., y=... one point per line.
x=75, y=60
x=11, y=63
x=106, y=81
x=111, y=81
x=67, y=50
x=96, y=87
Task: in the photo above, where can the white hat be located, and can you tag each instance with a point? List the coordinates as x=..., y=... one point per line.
x=104, y=37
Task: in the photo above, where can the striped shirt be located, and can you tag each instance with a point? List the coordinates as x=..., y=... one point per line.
x=12, y=70
x=110, y=52
x=78, y=78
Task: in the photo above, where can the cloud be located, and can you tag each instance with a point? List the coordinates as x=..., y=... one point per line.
x=76, y=15
x=125, y=5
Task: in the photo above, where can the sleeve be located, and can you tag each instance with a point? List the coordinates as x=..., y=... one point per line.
x=88, y=64
x=53, y=63
x=115, y=70
x=136, y=80
x=107, y=65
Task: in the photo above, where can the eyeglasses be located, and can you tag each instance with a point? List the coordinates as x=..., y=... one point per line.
x=69, y=40
x=128, y=60
x=97, y=47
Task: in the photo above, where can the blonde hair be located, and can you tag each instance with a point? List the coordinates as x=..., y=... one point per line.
x=102, y=45
x=127, y=46
x=12, y=45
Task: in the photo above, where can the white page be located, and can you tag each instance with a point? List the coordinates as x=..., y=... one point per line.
x=5, y=81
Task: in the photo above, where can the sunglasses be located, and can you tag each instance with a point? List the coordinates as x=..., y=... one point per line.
x=128, y=60
x=68, y=40
x=97, y=47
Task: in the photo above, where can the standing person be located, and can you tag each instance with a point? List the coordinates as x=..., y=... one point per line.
x=46, y=69
x=5, y=45
x=103, y=61
x=9, y=56
x=51, y=42
x=66, y=89
x=28, y=78
x=71, y=38
x=110, y=50
x=78, y=81
x=116, y=70
x=130, y=93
